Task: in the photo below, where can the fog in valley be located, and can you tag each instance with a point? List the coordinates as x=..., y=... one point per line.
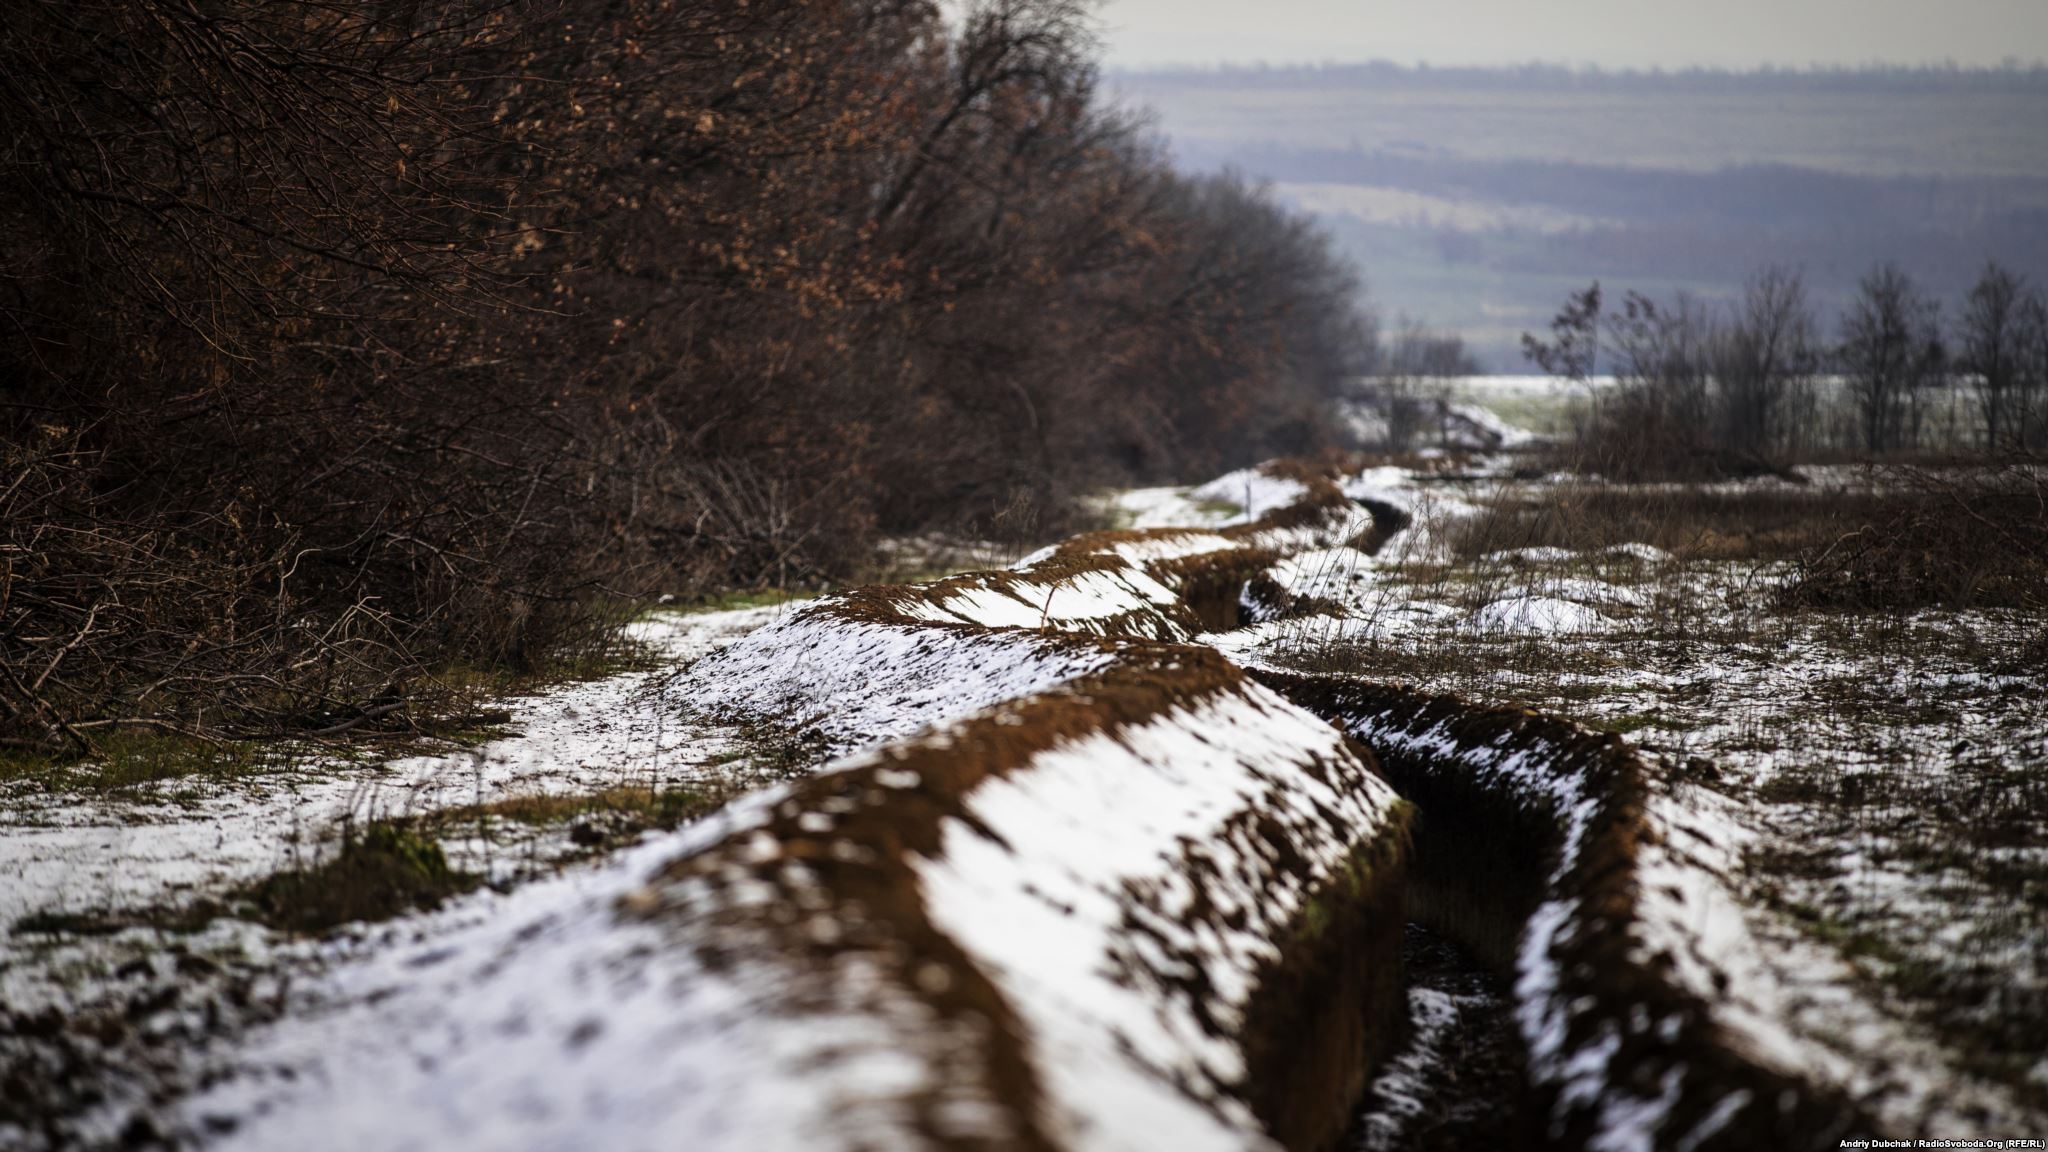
x=1476, y=198
x=1480, y=158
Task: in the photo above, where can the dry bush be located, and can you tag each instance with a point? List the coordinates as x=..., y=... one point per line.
x=1976, y=538
x=1690, y=521
x=349, y=342
x=1967, y=536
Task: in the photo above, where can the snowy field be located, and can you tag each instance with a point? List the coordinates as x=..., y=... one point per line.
x=1838, y=854
x=1867, y=786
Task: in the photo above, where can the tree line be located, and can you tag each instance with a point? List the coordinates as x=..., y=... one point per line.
x=1752, y=384
x=347, y=342
x=1537, y=76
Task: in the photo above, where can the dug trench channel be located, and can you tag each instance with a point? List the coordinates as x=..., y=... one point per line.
x=1419, y=930
x=1456, y=1078
x=1537, y=1015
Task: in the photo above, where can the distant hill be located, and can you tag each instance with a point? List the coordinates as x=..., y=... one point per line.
x=1474, y=198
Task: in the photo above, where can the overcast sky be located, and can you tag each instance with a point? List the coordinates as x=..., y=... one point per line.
x=1608, y=33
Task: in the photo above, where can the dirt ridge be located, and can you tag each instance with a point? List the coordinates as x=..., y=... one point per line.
x=1325, y=1001
x=1569, y=805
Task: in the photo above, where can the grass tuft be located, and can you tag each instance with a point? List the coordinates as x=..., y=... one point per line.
x=387, y=869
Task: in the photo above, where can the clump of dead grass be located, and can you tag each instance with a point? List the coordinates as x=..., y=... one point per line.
x=383, y=870
x=1938, y=539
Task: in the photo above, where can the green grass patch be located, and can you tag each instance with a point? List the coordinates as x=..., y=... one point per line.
x=382, y=871
x=133, y=758
x=741, y=598
x=1632, y=722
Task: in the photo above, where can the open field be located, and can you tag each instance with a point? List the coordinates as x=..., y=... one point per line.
x=1881, y=756
x=1813, y=774
x=1474, y=200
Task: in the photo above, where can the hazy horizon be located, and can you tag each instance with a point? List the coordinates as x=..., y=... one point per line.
x=1474, y=199
x=1643, y=34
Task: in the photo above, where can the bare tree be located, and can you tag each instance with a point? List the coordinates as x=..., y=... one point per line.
x=1409, y=388
x=1990, y=345
x=1891, y=354
x=1763, y=363
x=342, y=340
x=2030, y=406
x=1573, y=350
x=1695, y=394
x=1660, y=415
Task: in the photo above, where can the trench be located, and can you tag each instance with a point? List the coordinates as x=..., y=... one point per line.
x=1391, y=1017
x=1474, y=875
x=1460, y=1068
x=1458, y=1081
x=1468, y=897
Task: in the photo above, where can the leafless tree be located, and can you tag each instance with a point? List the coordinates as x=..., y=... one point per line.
x=2030, y=406
x=1409, y=388
x=344, y=340
x=1990, y=343
x=1892, y=355
x=1573, y=350
x=1660, y=409
x=1764, y=361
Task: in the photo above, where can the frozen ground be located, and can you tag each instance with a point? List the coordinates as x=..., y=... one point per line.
x=1448, y=1087
x=94, y=887
x=161, y=845
x=1856, y=804
x=1845, y=850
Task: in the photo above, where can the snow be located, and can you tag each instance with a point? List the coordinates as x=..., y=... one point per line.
x=1341, y=575
x=1536, y=614
x=1646, y=553
x=548, y=1018
x=1038, y=890
x=551, y=1018
x=1398, y=1091
x=1496, y=432
x=1586, y=591
x=1145, y=508
x=1171, y=546
x=1538, y=555
x=1366, y=424
x=861, y=683
x=1072, y=603
x=168, y=843
x=1252, y=491
x=1434, y=510
x=1787, y=1003
x=545, y=1019
x=1780, y=997
x=1234, y=498
x=555, y=1016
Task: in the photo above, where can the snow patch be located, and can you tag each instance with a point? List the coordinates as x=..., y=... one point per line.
x=860, y=683
x=1536, y=615
x=1039, y=890
x=1252, y=492
x=166, y=844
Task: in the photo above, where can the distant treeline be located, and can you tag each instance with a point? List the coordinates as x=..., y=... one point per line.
x=1782, y=196
x=2018, y=76
x=346, y=341
x=1703, y=389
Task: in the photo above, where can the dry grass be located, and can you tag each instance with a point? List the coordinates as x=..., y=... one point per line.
x=1878, y=701
x=382, y=871
x=594, y=820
